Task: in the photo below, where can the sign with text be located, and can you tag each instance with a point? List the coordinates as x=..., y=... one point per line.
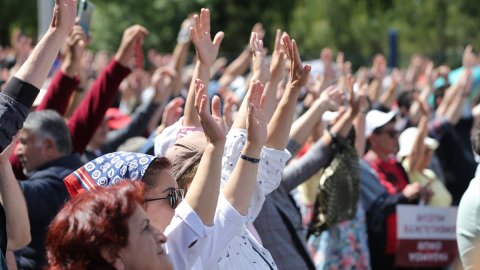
x=426, y=236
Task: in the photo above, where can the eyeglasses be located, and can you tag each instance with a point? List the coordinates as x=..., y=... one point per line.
x=392, y=133
x=174, y=197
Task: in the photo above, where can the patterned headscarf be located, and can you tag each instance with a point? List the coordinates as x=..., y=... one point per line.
x=108, y=170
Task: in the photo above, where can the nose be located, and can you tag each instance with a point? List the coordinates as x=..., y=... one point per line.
x=160, y=237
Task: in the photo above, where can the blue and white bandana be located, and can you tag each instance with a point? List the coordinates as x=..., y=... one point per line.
x=108, y=170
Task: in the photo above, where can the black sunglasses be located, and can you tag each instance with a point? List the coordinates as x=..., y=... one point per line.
x=392, y=133
x=174, y=197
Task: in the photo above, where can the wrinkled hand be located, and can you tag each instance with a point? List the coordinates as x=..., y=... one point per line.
x=207, y=50
x=131, y=37
x=212, y=124
x=299, y=74
x=256, y=123
x=260, y=67
x=172, y=112
x=73, y=51
x=277, y=67
x=64, y=13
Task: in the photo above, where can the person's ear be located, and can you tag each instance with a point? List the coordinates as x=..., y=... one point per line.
x=112, y=258
x=50, y=147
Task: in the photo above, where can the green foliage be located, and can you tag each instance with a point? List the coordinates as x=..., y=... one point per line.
x=14, y=13
x=436, y=28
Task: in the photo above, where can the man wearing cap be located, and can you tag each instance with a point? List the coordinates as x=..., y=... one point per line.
x=382, y=140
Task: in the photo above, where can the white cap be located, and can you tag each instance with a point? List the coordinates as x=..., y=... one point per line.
x=407, y=139
x=376, y=119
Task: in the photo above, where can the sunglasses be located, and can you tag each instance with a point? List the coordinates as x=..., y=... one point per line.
x=392, y=133
x=174, y=197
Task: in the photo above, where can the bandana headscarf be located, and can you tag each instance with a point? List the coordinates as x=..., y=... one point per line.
x=108, y=170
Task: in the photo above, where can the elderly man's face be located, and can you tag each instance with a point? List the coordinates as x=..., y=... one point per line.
x=31, y=151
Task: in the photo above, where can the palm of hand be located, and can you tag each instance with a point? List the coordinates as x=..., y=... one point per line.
x=207, y=52
x=257, y=127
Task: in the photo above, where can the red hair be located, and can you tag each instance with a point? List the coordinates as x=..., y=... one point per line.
x=89, y=223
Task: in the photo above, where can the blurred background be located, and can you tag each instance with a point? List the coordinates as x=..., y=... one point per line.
x=438, y=29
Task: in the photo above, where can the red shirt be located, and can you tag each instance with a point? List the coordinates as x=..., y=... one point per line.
x=392, y=176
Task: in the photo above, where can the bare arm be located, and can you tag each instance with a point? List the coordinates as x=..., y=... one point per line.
x=207, y=51
x=302, y=128
x=419, y=146
x=241, y=184
x=38, y=64
x=203, y=193
x=18, y=225
x=281, y=122
x=277, y=70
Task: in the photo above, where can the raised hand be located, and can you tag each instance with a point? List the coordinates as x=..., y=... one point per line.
x=331, y=98
x=256, y=123
x=172, y=113
x=228, y=111
x=73, y=51
x=299, y=74
x=277, y=67
x=212, y=124
x=161, y=82
x=64, y=13
x=131, y=37
x=207, y=50
x=260, y=67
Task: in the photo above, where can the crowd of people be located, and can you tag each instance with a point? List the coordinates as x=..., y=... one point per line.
x=266, y=162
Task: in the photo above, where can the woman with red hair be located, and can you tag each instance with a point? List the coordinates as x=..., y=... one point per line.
x=106, y=229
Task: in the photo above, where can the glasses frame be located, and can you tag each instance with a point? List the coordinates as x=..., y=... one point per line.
x=174, y=197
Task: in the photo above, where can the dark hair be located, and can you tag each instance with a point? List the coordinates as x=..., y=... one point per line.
x=89, y=223
x=405, y=99
x=150, y=178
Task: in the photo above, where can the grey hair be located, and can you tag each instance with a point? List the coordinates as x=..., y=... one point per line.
x=49, y=124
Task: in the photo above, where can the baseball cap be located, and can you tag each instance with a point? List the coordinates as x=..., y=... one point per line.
x=186, y=151
x=376, y=119
x=407, y=139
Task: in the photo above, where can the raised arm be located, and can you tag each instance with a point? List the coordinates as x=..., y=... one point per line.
x=329, y=100
x=88, y=116
x=203, y=192
x=277, y=70
x=281, y=122
x=207, y=51
x=418, y=149
x=241, y=184
x=240, y=65
x=260, y=71
x=39, y=63
x=16, y=214
x=66, y=80
x=179, y=57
